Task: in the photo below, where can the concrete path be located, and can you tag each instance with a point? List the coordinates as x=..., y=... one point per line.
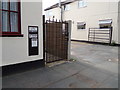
x=101, y=56
x=83, y=73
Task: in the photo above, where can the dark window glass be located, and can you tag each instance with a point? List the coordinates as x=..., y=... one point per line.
x=105, y=23
x=81, y=25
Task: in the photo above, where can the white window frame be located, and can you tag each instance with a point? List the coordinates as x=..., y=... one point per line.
x=105, y=23
x=67, y=7
x=81, y=24
x=50, y=13
x=82, y=3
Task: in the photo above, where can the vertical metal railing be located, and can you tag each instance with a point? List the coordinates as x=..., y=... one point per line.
x=110, y=35
x=56, y=40
x=100, y=35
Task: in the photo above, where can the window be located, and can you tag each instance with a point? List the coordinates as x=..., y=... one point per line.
x=67, y=7
x=81, y=25
x=82, y=3
x=105, y=23
x=11, y=17
x=50, y=13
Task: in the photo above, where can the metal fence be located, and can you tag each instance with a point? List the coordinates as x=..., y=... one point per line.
x=100, y=35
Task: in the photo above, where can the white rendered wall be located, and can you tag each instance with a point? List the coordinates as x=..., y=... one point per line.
x=55, y=12
x=119, y=23
x=91, y=14
x=15, y=49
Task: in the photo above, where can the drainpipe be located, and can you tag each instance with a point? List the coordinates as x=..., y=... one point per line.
x=61, y=13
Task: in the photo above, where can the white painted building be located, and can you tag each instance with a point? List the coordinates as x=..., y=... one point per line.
x=21, y=32
x=87, y=14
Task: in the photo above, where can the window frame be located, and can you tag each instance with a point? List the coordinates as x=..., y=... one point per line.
x=67, y=7
x=78, y=23
x=83, y=1
x=18, y=33
x=105, y=24
x=49, y=14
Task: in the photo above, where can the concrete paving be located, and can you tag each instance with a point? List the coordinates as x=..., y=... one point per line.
x=96, y=66
x=101, y=56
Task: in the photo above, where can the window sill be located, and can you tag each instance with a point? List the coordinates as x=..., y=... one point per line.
x=81, y=29
x=66, y=10
x=11, y=35
x=82, y=7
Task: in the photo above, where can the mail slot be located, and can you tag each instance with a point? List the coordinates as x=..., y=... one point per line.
x=33, y=40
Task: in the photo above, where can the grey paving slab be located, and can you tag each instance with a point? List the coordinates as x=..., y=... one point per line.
x=69, y=68
x=71, y=82
x=91, y=70
x=37, y=78
x=0, y=83
x=111, y=82
x=101, y=56
x=95, y=74
x=104, y=60
x=42, y=77
x=110, y=66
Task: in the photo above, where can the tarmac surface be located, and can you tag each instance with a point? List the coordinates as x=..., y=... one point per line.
x=93, y=66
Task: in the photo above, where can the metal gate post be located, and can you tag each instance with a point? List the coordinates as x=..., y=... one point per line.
x=110, y=31
x=69, y=38
x=44, y=38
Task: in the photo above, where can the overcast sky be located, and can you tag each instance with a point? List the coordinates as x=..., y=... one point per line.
x=47, y=3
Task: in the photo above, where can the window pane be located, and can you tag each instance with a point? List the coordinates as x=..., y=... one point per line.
x=0, y=5
x=0, y=16
x=81, y=25
x=82, y=3
x=50, y=13
x=5, y=4
x=14, y=22
x=67, y=7
x=105, y=25
x=85, y=3
x=105, y=21
x=13, y=5
x=5, y=22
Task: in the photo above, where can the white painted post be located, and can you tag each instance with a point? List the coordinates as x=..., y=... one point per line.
x=61, y=13
x=69, y=38
x=60, y=3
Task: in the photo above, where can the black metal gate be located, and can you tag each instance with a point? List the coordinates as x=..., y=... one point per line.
x=56, y=41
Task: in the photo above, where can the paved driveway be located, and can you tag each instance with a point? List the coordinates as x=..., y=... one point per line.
x=101, y=56
x=96, y=67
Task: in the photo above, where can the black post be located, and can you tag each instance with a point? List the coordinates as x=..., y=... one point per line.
x=111, y=30
x=44, y=44
x=94, y=35
x=89, y=34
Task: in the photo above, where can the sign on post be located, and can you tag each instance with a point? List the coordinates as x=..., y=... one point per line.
x=33, y=40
